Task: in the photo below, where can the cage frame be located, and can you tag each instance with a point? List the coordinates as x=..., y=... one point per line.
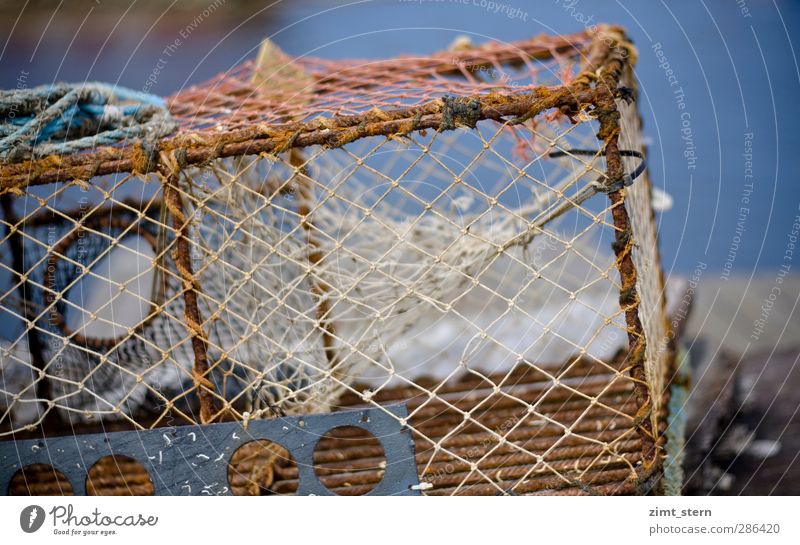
x=601, y=85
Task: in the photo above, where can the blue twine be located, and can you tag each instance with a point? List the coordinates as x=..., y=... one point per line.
x=676, y=426
x=63, y=119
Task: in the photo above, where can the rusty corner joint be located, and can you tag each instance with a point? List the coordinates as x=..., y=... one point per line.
x=181, y=256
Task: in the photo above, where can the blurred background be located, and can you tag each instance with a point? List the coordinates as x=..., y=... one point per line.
x=721, y=137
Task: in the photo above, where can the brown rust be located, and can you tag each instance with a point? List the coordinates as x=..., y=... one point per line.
x=206, y=144
x=183, y=263
x=318, y=287
x=452, y=63
x=51, y=293
x=539, y=395
x=588, y=371
x=118, y=476
x=200, y=148
x=351, y=465
x=628, y=424
x=608, y=116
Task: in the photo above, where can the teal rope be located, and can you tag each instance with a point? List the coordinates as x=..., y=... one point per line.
x=676, y=426
x=63, y=119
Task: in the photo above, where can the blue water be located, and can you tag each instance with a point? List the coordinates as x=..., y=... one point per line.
x=737, y=70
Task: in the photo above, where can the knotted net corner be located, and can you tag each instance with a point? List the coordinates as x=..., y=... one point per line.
x=334, y=234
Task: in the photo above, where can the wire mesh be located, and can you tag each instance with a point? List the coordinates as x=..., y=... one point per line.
x=414, y=230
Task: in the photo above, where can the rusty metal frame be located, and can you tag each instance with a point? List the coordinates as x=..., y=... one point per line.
x=595, y=91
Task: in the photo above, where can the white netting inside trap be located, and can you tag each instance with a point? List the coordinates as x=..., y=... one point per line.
x=392, y=260
x=382, y=262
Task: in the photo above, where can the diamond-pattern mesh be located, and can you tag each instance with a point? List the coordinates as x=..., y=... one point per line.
x=464, y=271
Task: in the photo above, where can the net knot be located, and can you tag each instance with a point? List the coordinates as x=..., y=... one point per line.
x=460, y=111
x=202, y=380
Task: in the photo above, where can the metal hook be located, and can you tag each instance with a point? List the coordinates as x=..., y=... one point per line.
x=600, y=183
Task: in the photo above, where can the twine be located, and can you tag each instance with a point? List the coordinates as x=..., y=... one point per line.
x=64, y=119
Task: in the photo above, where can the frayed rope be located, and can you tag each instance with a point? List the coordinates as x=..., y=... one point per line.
x=62, y=119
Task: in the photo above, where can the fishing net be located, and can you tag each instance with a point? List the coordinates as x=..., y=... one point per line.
x=469, y=233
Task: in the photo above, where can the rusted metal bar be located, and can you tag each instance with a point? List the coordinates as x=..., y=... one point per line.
x=608, y=115
x=526, y=392
x=201, y=148
x=318, y=287
x=191, y=287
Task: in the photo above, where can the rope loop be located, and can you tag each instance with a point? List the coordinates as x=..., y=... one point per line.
x=63, y=119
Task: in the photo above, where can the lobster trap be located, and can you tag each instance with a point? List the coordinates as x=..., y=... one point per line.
x=462, y=245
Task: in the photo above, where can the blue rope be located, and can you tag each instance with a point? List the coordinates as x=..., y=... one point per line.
x=676, y=426
x=63, y=119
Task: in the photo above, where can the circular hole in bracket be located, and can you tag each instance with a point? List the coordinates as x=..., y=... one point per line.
x=39, y=480
x=349, y=461
x=262, y=468
x=117, y=475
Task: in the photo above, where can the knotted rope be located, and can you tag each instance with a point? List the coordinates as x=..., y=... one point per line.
x=62, y=119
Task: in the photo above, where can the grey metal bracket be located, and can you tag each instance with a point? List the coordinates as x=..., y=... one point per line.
x=193, y=460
